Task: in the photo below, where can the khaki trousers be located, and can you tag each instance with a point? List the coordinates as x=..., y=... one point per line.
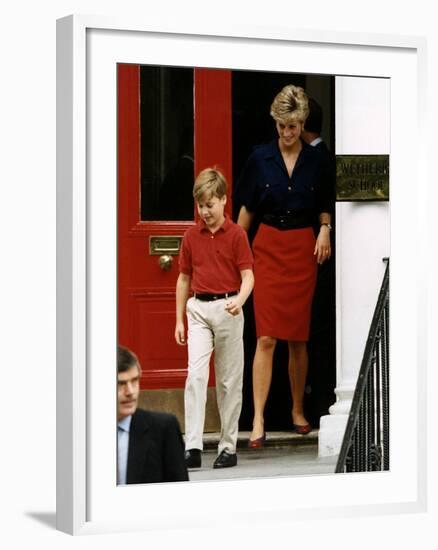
x=210, y=328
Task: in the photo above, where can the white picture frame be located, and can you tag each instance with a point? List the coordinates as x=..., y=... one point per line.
x=88, y=500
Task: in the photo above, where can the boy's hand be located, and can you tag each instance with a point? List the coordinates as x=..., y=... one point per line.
x=180, y=334
x=233, y=306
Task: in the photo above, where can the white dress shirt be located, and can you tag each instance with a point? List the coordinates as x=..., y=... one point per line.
x=123, y=428
x=316, y=141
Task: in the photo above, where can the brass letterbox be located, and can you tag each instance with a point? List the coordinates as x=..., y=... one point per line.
x=164, y=244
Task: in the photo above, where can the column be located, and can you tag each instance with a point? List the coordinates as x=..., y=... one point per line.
x=362, y=240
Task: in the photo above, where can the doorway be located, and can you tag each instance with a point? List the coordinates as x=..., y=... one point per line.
x=252, y=95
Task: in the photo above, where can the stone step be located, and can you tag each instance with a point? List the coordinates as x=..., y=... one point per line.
x=273, y=439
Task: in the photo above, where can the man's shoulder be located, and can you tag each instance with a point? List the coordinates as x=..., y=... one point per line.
x=316, y=155
x=309, y=150
x=322, y=149
x=155, y=417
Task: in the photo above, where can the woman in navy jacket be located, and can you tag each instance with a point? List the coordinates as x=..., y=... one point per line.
x=285, y=186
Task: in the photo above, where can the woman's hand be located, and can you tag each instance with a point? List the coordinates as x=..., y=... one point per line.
x=180, y=332
x=322, y=247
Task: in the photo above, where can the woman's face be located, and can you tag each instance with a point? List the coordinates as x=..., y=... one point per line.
x=289, y=132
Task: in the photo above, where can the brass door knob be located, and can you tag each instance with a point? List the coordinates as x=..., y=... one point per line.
x=165, y=262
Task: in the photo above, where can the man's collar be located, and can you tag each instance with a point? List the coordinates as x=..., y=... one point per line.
x=315, y=141
x=125, y=423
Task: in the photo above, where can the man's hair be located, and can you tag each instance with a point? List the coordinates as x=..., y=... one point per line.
x=211, y=183
x=314, y=120
x=289, y=105
x=126, y=359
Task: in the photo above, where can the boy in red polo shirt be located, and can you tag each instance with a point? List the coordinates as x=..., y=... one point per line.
x=216, y=264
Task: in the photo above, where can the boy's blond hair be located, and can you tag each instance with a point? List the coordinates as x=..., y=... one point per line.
x=210, y=183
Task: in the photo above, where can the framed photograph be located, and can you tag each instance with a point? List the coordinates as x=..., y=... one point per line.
x=93, y=56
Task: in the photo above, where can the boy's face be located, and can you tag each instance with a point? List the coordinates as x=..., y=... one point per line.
x=211, y=210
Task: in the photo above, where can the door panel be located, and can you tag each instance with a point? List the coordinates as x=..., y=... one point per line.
x=149, y=172
x=213, y=123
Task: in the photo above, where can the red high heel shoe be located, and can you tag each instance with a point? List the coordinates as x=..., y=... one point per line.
x=257, y=443
x=302, y=429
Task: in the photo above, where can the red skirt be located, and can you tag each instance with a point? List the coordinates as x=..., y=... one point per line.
x=285, y=271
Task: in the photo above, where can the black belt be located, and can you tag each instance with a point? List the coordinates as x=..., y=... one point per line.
x=290, y=220
x=212, y=297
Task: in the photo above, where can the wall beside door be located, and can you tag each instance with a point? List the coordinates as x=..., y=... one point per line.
x=363, y=240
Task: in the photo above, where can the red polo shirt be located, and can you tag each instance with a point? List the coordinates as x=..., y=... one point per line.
x=214, y=260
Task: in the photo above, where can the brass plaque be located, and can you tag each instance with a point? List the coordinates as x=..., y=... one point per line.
x=164, y=244
x=362, y=177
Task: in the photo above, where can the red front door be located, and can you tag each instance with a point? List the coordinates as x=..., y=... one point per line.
x=155, y=177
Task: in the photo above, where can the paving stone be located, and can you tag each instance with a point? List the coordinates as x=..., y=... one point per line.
x=275, y=461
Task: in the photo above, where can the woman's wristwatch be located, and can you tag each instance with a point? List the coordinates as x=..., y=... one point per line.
x=328, y=225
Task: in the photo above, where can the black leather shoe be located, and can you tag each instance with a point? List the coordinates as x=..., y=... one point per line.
x=225, y=460
x=193, y=458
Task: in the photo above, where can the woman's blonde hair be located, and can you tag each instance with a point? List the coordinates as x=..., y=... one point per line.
x=210, y=182
x=290, y=104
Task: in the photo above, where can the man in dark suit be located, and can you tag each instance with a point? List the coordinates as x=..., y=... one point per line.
x=150, y=447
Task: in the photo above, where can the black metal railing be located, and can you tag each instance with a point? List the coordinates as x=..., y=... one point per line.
x=365, y=446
